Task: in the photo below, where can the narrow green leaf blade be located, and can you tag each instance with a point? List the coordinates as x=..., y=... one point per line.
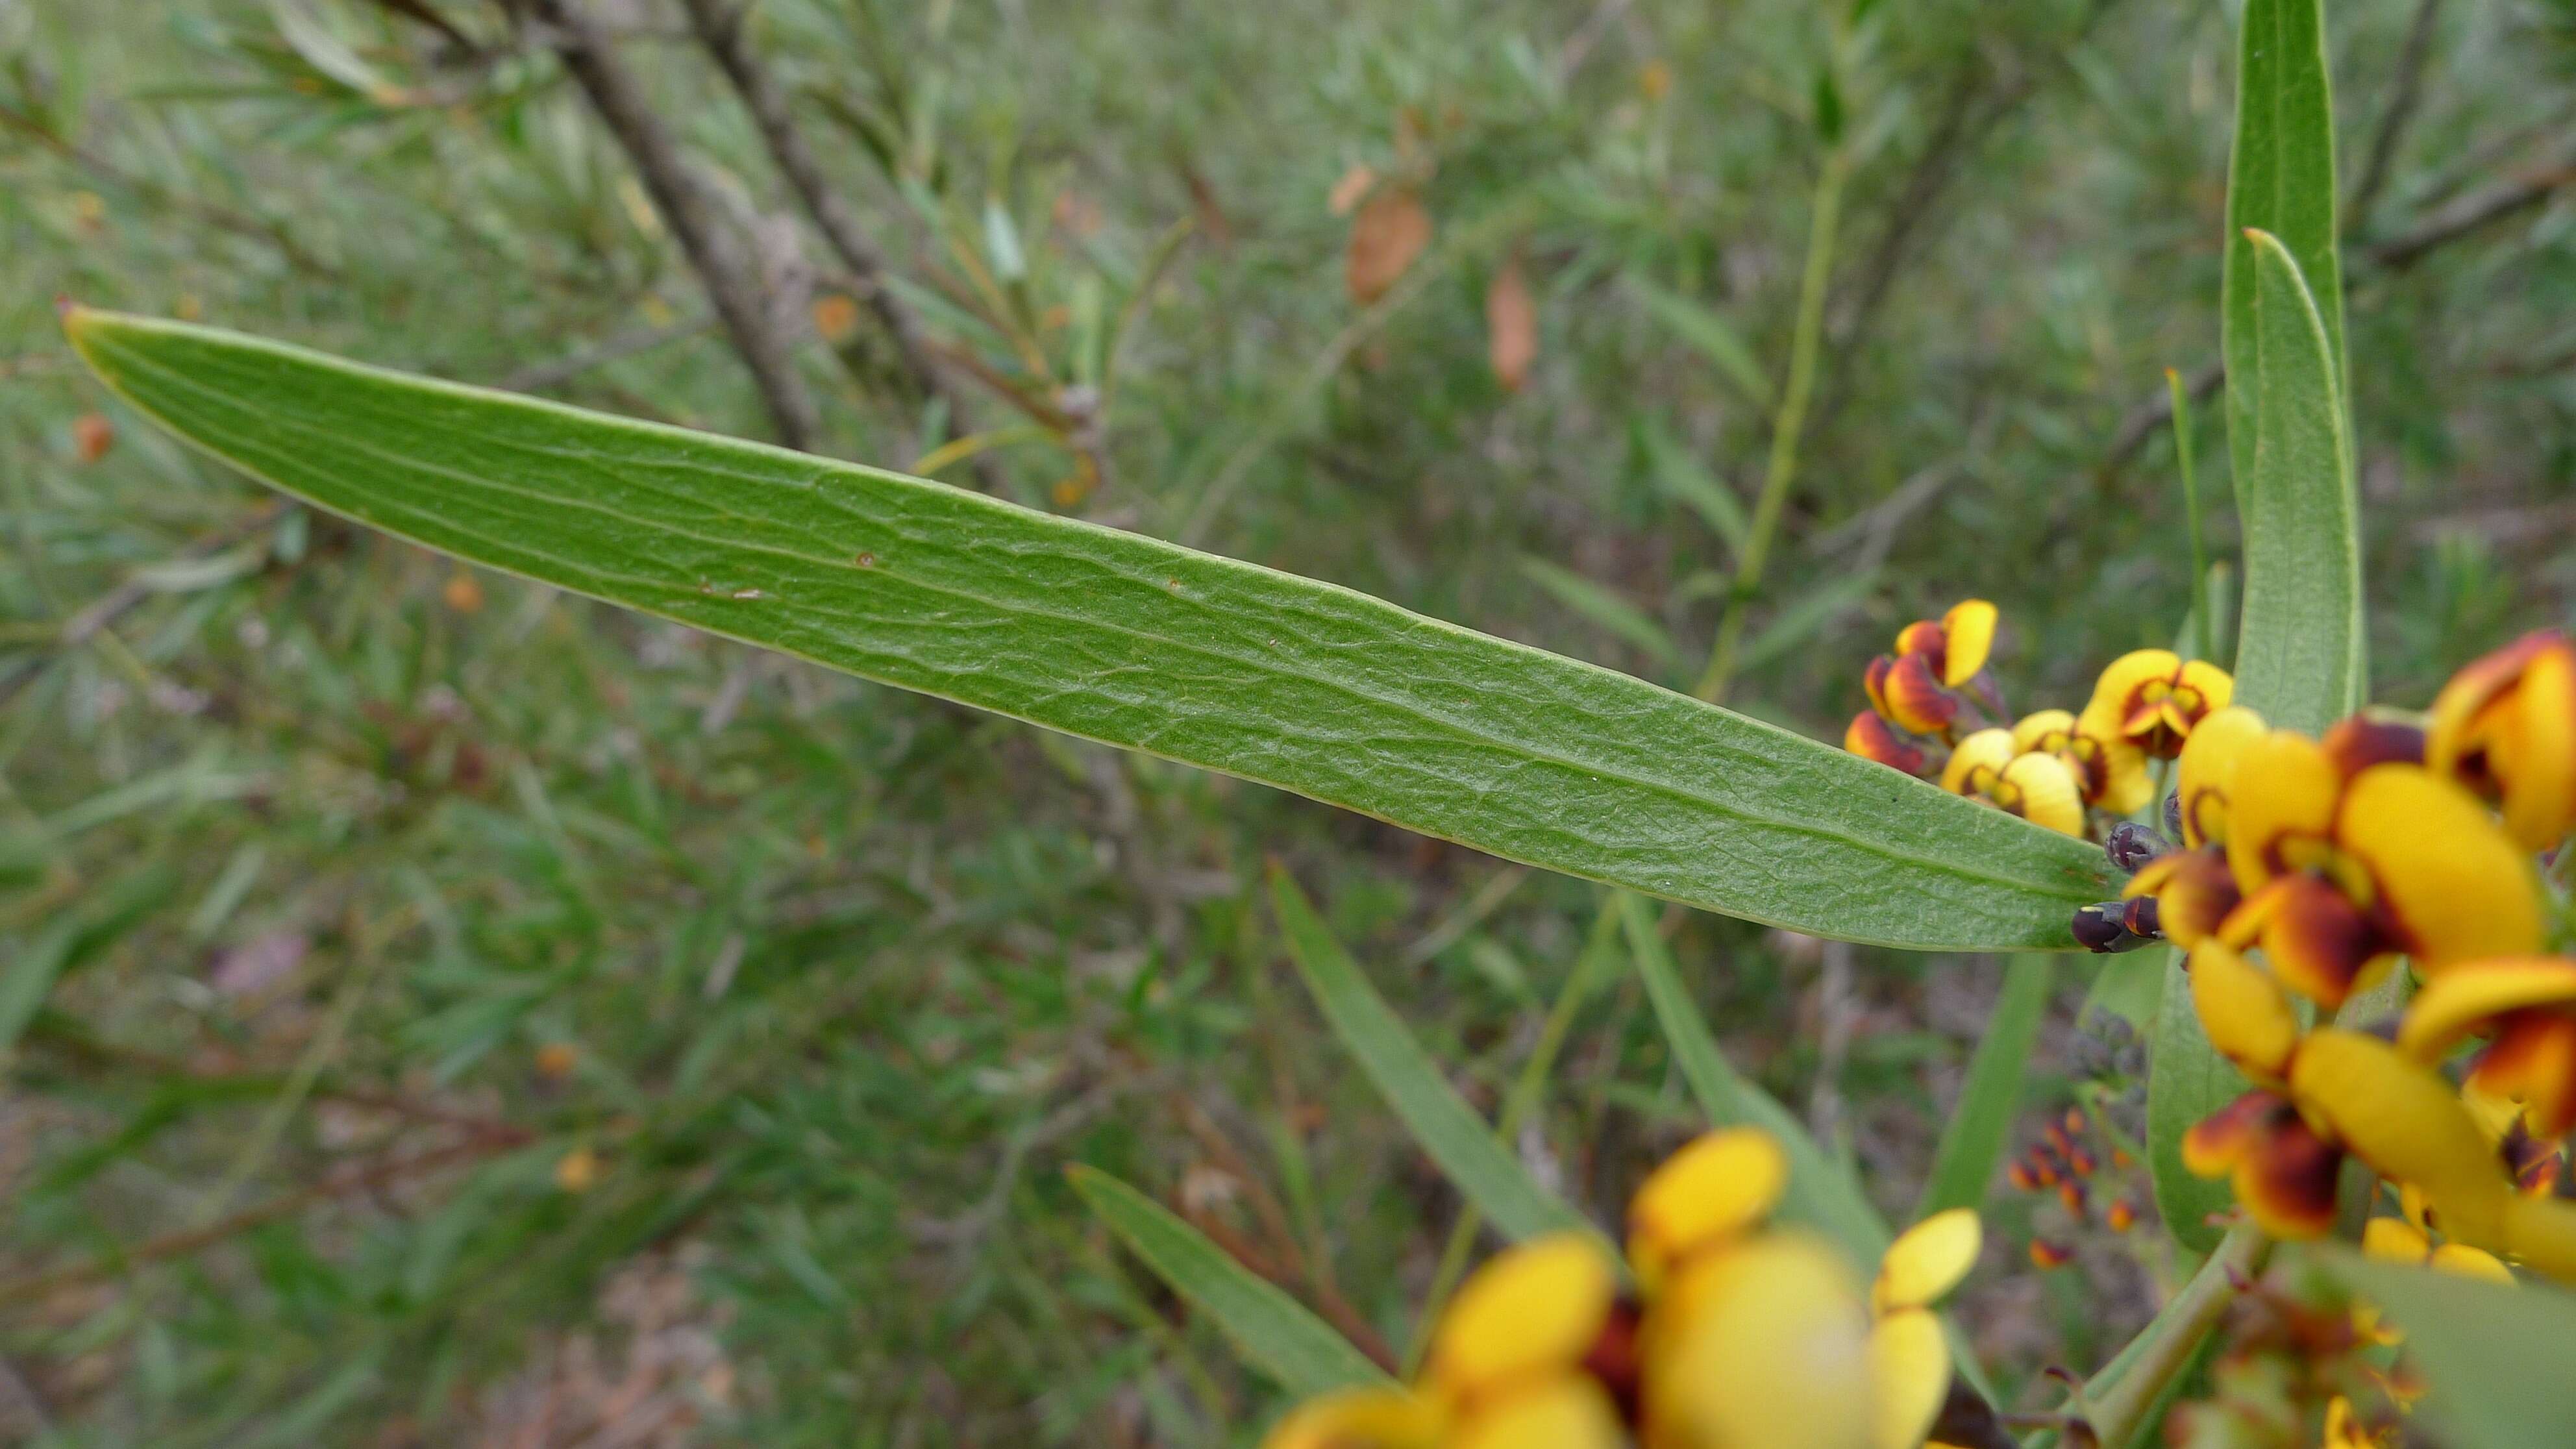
x=1715, y=338
x=1820, y=1193
x=2494, y=1358
x=1981, y=1125
x=2299, y=651
x=1126, y=640
x=29, y=978
x=2187, y=1080
x=1451, y=1132
x=2280, y=179
x=1687, y=481
x=1272, y=1330
x=1604, y=609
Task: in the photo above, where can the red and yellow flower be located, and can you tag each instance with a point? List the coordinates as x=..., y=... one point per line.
x=1923, y=687
x=1909, y=1356
x=2350, y=854
x=2194, y=888
x=2505, y=726
x=2038, y=786
x=2153, y=698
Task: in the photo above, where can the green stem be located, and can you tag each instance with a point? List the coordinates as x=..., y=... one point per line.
x=1787, y=425
x=2118, y=1400
x=1523, y=1100
x=2191, y=515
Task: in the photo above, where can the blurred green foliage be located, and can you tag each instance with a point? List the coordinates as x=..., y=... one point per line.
x=439, y=975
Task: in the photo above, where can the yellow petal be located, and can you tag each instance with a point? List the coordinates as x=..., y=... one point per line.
x=2540, y=1234
x=2248, y=1016
x=1359, y=1419
x=2540, y=775
x=1927, y=1260
x=1530, y=1312
x=2203, y=687
x=2208, y=771
x=1776, y=1355
x=2464, y=999
x=2471, y=1262
x=2394, y=1240
x=1970, y=625
x=1571, y=1412
x=2045, y=730
x=1978, y=761
x=1718, y=1186
x=2042, y=789
x=2118, y=687
x=2127, y=786
x=2460, y=724
x=1909, y=1370
x=2459, y=887
x=2291, y=792
x=2407, y=1123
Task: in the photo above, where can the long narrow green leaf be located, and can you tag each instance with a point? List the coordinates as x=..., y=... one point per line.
x=1972, y=1146
x=2299, y=653
x=1717, y=340
x=1271, y=1329
x=1820, y=1193
x=2187, y=1080
x=1123, y=639
x=1604, y=609
x=1452, y=1132
x=2281, y=179
x=2494, y=1358
x=1687, y=481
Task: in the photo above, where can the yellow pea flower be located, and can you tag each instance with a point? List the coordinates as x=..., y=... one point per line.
x=1703, y=1198
x=2505, y=726
x=2350, y=856
x=2153, y=698
x=1957, y=645
x=1917, y=688
x=2040, y=788
x=1774, y=1355
x=2111, y=771
x=1359, y=1419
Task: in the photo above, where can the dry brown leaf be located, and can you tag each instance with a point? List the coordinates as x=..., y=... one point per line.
x=1386, y=236
x=1511, y=325
x=92, y=436
x=1355, y=183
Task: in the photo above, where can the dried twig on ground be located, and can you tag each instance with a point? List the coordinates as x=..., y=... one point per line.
x=722, y=266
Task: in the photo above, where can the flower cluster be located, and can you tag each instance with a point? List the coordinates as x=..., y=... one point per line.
x=2086, y=1176
x=1935, y=713
x=2307, y=871
x=1726, y=1333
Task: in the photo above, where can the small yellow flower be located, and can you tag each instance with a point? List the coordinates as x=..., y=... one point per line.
x=2153, y=698
x=1358, y=1419
x=2395, y=1240
x=2111, y=771
x=1775, y=1354
x=2526, y=1006
x=2040, y=788
x=2505, y=726
x=2194, y=893
x=2208, y=772
x=1917, y=688
x=1704, y=1197
x=2349, y=856
x=1957, y=645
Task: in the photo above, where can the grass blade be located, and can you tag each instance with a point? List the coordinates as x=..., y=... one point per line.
x=1981, y=1126
x=1820, y=1193
x=1687, y=481
x=1604, y=609
x=2299, y=652
x=1123, y=639
x=1272, y=1330
x=1712, y=335
x=1449, y=1130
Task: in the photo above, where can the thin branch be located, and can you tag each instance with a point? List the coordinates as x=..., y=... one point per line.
x=688, y=210
x=2116, y=1404
x=719, y=28
x=2471, y=213
x=2405, y=96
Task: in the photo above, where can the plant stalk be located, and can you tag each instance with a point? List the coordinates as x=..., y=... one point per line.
x=2119, y=1399
x=1787, y=424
